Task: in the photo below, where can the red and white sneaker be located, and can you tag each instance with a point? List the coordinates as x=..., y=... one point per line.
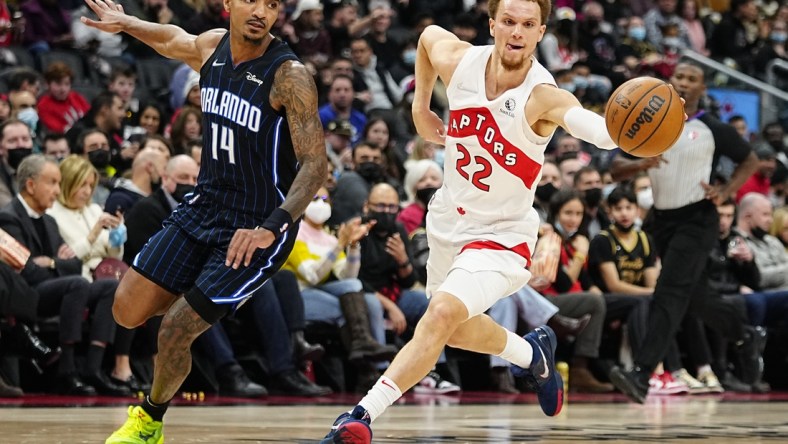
x=664, y=384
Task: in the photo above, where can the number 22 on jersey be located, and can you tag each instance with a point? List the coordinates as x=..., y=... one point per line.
x=477, y=177
x=222, y=138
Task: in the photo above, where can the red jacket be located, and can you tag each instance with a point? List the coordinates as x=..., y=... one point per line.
x=58, y=116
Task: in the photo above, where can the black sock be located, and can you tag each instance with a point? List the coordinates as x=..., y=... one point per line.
x=94, y=356
x=66, y=362
x=156, y=411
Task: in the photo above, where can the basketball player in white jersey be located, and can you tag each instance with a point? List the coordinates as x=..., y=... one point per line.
x=481, y=224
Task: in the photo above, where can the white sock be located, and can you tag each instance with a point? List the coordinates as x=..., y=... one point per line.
x=384, y=393
x=517, y=351
x=703, y=369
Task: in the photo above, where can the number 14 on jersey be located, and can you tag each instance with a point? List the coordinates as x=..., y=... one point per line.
x=222, y=138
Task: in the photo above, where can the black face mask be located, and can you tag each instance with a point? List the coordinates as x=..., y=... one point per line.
x=386, y=223
x=758, y=232
x=99, y=158
x=545, y=192
x=593, y=197
x=370, y=171
x=622, y=228
x=425, y=194
x=16, y=156
x=181, y=190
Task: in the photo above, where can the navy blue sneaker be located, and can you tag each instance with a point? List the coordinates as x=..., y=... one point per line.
x=542, y=376
x=350, y=428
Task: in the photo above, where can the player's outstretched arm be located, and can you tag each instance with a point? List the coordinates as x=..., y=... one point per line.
x=438, y=53
x=562, y=108
x=168, y=40
x=295, y=90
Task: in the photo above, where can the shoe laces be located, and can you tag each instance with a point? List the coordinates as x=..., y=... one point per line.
x=139, y=421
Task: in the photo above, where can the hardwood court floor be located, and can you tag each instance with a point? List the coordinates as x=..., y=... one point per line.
x=421, y=419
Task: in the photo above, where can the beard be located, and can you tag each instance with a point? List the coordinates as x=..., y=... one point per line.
x=512, y=65
x=257, y=41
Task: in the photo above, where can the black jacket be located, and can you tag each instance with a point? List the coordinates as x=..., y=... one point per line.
x=143, y=220
x=15, y=221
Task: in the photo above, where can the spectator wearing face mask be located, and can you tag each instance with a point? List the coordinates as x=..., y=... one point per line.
x=588, y=181
x=146, y=175
x=773, y=48
x=753, y=223
x=353, y=186
x=15, y=144
x=422, y=180
x=23, y=107
x=327, y=268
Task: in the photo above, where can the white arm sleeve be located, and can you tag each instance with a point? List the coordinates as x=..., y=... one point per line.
x=589, y=126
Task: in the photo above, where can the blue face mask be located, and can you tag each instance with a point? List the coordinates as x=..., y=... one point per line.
x=409, y=57
x=570, y=86
x=637, y=33
x=29, y=117
x=562, y=231
x=778, y=37
x=439, y=157
x=581, y=82
x=118, y=236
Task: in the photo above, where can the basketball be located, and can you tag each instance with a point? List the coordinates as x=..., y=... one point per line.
x=644, y=116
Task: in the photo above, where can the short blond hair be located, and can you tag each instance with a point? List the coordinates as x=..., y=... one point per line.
x=545, y=7
x=74, y=172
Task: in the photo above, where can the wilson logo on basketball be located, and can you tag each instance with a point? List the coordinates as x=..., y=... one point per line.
x=646, y=116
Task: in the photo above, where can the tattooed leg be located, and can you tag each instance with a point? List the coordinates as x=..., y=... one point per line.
x=179, y=328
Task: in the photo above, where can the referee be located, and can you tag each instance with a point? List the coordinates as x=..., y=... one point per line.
x=685, y=221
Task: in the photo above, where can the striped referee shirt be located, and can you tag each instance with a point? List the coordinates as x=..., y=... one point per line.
x=692, y=159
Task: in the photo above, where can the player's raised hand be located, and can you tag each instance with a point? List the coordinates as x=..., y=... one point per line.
x=429, y=126
x=245, y=243
x=111, y=17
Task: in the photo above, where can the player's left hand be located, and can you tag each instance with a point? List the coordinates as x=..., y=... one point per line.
x=396, y=249
x=245, y=243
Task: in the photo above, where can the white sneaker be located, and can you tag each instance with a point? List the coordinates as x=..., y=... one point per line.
x=695, y=387
x=433, y=384
x=710, y=382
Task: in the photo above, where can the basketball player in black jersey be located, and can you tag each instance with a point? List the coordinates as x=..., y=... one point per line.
x=263, y=162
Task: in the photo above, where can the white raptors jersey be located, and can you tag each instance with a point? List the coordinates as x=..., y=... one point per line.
x=493, y=159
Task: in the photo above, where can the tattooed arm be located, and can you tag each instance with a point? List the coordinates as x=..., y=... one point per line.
x=294, y=90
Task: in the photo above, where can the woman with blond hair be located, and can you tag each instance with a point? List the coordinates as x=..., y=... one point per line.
x=779, y=228
x=94, y=235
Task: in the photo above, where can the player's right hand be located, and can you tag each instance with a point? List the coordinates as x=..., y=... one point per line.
x=429, y=126
x=111, y=16
x=244, y=244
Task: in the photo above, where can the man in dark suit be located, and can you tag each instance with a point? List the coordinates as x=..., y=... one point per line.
x=56, y=274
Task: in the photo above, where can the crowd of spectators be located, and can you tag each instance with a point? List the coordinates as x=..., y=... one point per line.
x=121, y=131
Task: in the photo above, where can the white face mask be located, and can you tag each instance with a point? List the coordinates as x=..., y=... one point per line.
x=645, y=198
x=318, y=211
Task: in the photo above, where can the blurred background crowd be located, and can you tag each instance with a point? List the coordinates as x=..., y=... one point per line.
x=101, y=138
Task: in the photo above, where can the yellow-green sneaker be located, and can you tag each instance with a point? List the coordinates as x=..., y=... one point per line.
x=140, y=428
